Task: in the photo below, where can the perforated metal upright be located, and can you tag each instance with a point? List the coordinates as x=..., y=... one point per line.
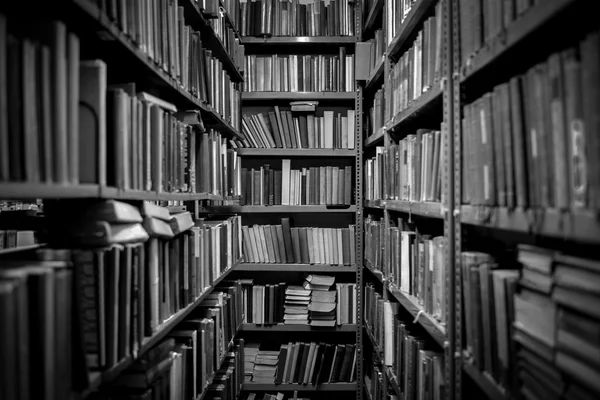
x=358, y=105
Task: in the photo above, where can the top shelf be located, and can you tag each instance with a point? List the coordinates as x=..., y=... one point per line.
x=118, y=50
x=299, y=40
x=412, y=20
x=513, y=36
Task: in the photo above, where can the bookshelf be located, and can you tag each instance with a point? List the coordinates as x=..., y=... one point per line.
x=425, y=209
x=407, y=28
x=299, y=40
x=429, y=100
x=281, y=328
x=252, y=152
x=375, y=138
x=278, y=209
x=325, y=387
x=316, y=268
x=484, y=69
x=375, y=75
x=295, y=96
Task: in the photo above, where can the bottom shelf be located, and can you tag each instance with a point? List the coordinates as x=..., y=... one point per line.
x=324, y=387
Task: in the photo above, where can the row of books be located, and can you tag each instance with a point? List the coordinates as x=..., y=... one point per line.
x=233, y=9
x=304, y=245
x=419, y=370
x=294, y=18
x=281, y=129
x=377, y=112
x=414, y=262
x=218, y=168
x=531, y=142
x=300, y=73
x=397, y=10
x=534, y=323
x=233, y=46
x=420, y=67
x=377, y=47
x=303, y=362
x=181, y=51
x=410, y=170
x=192, y=356
x=12, y=238
x=482, y=21
x=325, y=185
x=290, y=304
x=116, y=136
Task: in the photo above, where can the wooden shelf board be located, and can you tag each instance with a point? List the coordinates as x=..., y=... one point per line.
x=424, y=209
x=295, y=267
x=19, y=249
x=23, y=191
x=436, y=330
x=276, y=209
x=297, y=40
x=519, y=29
x=578, y=225
x=295, y=328
x=373, y=16
x=485, y=383
x=278, y=152
x=375, y=75
x=324, y=387
x=431, y=325
x=375, y=138
x=427, y=101
x=412, y=20
x=114, y=193
x=248, y=96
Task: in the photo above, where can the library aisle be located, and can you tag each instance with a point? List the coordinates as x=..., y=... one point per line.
x=304, y=199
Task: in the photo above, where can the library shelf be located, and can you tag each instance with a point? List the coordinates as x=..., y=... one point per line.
x=279, y=152
x=298, y=40
x=436, y=330
x=180, y=315
x=428, y=100
x=229, y=21
x=373, y=17
x=149, y=342
x=196, y=20
x=513, y=35
x=407, y=28
x=268, y=96
x=117, y=194
x=324, y=387
x=278, y=209
x=19, y=249
x=295, y=267
x=485, y=383
x=121, y=50
x=295, y=328
x=424, y=209
x=202, y=395
x=379, y=358
x=375, y=75
x=38, y=190
x=375, y=138
x=575, y=225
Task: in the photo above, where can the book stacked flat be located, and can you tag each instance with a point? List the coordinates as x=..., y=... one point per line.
x=265, y=366
x=322, y=300
x=250, y=353
x=297, y=300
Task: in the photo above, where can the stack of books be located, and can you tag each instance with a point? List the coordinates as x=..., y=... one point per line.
x=250, y=353
x=265, y=366
x=322, y=300
x=296, y=305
